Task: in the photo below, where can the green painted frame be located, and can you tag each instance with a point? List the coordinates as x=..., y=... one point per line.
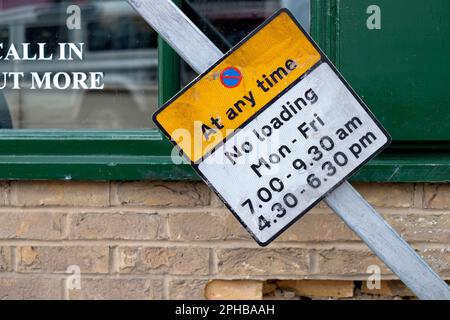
x=405, y=161
x=146, y=154
x=96, y=155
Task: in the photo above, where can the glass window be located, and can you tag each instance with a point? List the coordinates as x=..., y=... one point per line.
x=4, y=38
x=117, y=43
x=51, y=35
x=227, y=22
x=130, y=33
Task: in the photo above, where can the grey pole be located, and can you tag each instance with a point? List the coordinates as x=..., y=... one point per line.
x=200, y=53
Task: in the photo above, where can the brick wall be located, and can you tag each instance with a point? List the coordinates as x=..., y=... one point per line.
x=157, y=240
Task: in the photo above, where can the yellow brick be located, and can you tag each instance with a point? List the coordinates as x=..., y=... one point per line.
x=5, y=259
x=161, y=194
x=59, y=259
x=199, y=226
x=387, y=194
x=319, y=288
x=118, y=289
x=30, y=288
x=60, y=193
x=234, y=290
x=187, y=289
x=32, y=225
x=316, y=226
x=163, y=260
x=438, y=259
x=347, y=262
x=269, y=288
x=265, y=262
x=437, y=196
x=4, y=193
x=120, y=226
x=389, y=289
x=426, y=227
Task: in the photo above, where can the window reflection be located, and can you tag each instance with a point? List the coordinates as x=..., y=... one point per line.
x=129, y=33
x=51, y=35
x=117, y=42
x=4, y=38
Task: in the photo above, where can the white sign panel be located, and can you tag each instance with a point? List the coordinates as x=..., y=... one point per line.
x=270, y=177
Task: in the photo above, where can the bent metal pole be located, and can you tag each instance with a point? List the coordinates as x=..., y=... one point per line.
x=200, y=53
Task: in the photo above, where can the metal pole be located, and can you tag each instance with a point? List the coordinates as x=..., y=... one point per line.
x=386, y=243
x=200, y=53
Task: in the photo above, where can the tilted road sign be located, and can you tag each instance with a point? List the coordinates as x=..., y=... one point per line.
x=202, y=55
x=274, y=133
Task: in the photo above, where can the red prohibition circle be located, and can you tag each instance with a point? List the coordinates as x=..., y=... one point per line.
x=231, y=81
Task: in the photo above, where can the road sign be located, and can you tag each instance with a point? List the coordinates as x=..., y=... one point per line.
x=289, y=131
x=231, y=77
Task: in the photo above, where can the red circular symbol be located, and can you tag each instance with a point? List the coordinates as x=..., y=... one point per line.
x=231, y=77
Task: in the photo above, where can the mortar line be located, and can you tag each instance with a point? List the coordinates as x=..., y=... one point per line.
x=219, y=244
x=179, y=210
x=113, y=263
x=334, y=276
x=65, y=292
x=213, y=262
x=166, y=287
x=13, y=258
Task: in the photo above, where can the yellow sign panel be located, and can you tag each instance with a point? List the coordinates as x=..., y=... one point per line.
x=241, y=84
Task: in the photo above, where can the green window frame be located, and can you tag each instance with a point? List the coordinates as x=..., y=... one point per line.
x=404, y=161
x=146, y=154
